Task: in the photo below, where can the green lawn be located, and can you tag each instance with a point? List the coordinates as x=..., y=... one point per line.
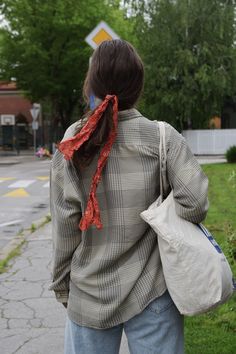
x=215, y=332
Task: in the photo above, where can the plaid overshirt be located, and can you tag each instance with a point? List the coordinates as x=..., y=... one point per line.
x=107, y=276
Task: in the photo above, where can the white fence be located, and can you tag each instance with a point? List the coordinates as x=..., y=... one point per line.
x=210, y=142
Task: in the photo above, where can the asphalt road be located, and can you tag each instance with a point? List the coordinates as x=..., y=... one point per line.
x=24, y=196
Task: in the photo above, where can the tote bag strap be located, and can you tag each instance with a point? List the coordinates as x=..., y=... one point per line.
x=162, y=159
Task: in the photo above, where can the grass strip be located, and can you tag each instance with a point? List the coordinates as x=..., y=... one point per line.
x=12, y=254
x=215, y=332
x=17, y=250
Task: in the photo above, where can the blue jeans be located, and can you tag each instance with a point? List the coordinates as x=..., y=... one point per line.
x=158, y=329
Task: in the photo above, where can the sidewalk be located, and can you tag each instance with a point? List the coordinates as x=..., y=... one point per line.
x=209, y=159
x=11, y=158
x=32, y=321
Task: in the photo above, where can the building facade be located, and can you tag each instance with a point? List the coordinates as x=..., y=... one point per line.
x=15, y=118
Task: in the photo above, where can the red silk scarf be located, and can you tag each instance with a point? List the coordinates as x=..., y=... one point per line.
x=69, y=146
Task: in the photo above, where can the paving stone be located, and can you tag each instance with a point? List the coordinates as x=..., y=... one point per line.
x=18, y=323
x=48, y=294
x=3, y=323
x=39, y=251
x=55, y=320
x=51, y=342
x=3, y=290
x=52, y=313
x=35, y=323
x=21, y=263
x=5, y=275
x=10, y=344
x=22, y=290
x=17, y=309
x=12, y=332
x=38, y=263
x=30, y=274
x=2, y=302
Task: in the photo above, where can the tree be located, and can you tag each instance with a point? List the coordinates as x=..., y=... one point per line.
x=44, y=48
x=189, y=53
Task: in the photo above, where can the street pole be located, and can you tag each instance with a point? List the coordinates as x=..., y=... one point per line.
x=34, y=141
x=35, y=110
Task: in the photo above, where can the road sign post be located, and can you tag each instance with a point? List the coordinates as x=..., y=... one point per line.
x=35, y=110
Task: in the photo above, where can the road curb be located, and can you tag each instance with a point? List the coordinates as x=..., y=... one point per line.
x=19, y=239
x=6, y=163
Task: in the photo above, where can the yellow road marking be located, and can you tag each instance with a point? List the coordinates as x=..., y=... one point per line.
x=17, y=193
x=43, y=178
x=7, y=178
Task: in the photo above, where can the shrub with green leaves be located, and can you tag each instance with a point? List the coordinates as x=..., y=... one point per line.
x=231, y=154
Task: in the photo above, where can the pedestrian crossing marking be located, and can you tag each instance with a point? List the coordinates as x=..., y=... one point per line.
x=19, y=186
x=17, y=193
x=43, y=178
x=21, y=183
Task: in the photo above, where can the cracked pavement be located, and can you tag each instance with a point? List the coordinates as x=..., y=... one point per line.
x=31, y=320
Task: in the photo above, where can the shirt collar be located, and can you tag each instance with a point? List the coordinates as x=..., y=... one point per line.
x=129, y=114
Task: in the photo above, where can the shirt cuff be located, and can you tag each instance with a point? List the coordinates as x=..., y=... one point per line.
x=62, y=296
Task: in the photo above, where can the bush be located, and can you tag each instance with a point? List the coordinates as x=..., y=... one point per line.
x=231, y=154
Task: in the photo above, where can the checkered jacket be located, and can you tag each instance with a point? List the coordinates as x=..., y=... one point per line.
x=107, y=276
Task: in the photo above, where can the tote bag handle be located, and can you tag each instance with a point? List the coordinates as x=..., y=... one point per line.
x=162, y=159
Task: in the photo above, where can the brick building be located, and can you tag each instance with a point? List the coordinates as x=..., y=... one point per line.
x=15, y=118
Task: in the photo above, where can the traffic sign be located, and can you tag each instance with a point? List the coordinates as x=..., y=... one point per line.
x=35, y=110
x=35, y=125
x=102, y=32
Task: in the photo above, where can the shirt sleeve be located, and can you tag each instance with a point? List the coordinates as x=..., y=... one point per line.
x=187, y=180
x=66, y=235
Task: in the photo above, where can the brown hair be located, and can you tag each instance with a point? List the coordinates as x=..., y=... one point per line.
x=115, y=69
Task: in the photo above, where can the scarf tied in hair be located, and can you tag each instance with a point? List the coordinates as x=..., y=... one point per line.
x=69, y=146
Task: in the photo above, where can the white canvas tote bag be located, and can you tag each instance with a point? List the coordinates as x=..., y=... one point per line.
x=197, y=274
